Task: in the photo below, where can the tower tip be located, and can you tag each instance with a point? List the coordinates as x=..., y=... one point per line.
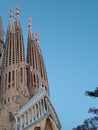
x=30, y=24
x=37, y=33
x=31, y=36
x=11, y=14
x=12, y=10
x=17, y=12
x=37, y=37
x=30, y=20
x=17, y=8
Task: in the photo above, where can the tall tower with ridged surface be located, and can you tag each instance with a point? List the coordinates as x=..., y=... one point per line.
x=37, y=76
x=1, y=45
x=24, y=91
x=13, y=84
x=44, y=78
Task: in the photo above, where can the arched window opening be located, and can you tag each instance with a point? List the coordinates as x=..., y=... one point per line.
x=48, y=125
x=4, y=102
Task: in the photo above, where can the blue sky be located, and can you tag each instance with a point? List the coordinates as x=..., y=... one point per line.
x=69, y=39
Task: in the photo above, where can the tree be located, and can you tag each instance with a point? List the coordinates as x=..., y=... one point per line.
x=91, y=123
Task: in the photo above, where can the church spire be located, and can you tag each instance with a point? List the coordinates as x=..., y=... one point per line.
x=18, y=17
x=37, y=37
x=9, y=57
x=36, y=78
x=1, y=39
x=42, y=68
x=11, y=27
x=38, y=43
x=1, y=30
x=33, y=77
x=13, y=89
x=30, y=35
x=11, y=15
x=19, y=37
x=17, y=13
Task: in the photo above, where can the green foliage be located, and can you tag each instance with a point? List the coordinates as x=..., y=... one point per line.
x=91, y=123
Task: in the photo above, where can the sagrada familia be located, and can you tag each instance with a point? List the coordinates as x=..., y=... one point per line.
x=24, y=91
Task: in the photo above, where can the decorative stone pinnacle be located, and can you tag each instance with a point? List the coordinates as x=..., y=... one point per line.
x=31, y=36
x=37, y=37
x=17, y=8
x=11, y=10
x=17, y=12
x=30, y=20
x=30, y=24
x=11, y=14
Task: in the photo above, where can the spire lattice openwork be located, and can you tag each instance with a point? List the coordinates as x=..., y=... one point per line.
x=17, y=12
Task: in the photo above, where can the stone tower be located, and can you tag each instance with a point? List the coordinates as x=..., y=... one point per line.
x=37, y=76
x=13, y=84
x=24, y=91
x=1, y=45
x=42, y=68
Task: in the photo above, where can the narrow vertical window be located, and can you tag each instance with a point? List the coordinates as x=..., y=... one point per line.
x=13, y=75
x=34, y=78
x=21, y=74
x=5, y=81
x=21, y=71
x=9, y=77
x=37, y=81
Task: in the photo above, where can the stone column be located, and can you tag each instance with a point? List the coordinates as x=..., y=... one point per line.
x=16, y=123
x=28, y=116
x=44, y=105
x=34, y=111
x=25, y=120
x=38, y=109
x=41, y=108
x=32, y=114
x=21, y=123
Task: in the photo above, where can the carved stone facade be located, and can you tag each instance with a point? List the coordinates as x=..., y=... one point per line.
x=24, y=91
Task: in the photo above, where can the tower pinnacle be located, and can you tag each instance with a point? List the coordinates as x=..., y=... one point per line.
x=18, y=25
x=11, y=27
x=30, y=24
x=17, y=12
x=1, y=30
x=11, y=14
x=37, y=41
x=37, y=37
x=31, y=36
